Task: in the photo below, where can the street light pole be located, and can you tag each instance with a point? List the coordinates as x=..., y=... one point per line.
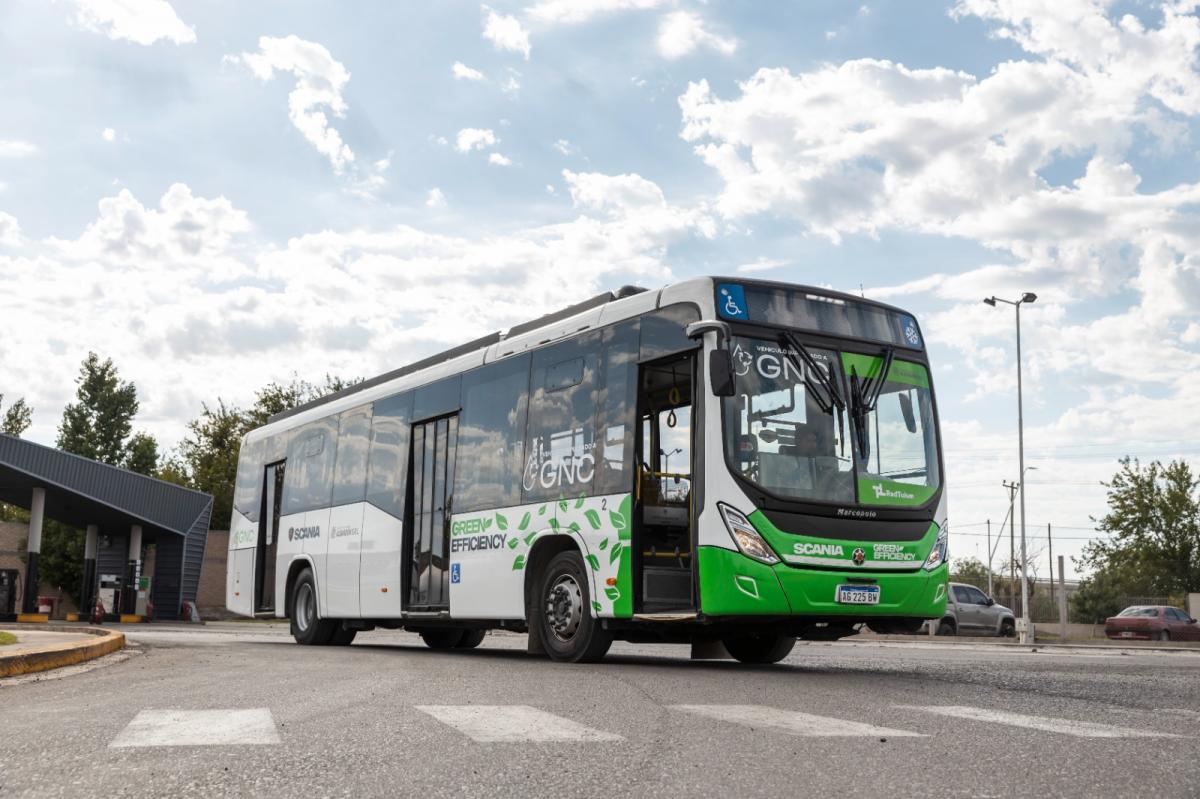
x=1026, y=629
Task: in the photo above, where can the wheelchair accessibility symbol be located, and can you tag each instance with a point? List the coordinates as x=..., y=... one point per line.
x=732, y=301
x=456, y=572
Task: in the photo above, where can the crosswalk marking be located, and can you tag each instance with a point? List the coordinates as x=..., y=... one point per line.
x=198, y=728
x=1079, y=729
x=513, y=723
x=793, y=722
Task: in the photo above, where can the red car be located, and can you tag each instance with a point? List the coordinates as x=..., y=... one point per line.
x=1152, y=623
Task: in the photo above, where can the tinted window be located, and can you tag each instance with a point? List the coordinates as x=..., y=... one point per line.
x=807, y=311
x=560, y=457
x=617, y=402
x=388, y=467
x=490, y=429
x=1176, y=615
x=977, y=596
x=350, y=469
x=1139, y=611
x=249, y=480
x=662, y=331
x=309, y=475
x=437, y=399
x=961, y=594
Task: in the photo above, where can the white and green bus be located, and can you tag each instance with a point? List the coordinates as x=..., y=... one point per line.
x=721, y=462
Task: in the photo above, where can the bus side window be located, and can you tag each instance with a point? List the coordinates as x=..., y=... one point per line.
x=487, y=466
x=560, y=459
x=248, y=485
x=616, y=408
x=350, y=468
x=662, y=331
x=388, y=466
x=308, y=480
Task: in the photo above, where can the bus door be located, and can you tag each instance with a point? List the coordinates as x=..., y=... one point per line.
x=663, y=538
x=268, y=537
x=427, y=519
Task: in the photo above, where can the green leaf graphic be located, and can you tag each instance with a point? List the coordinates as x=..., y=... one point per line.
x=524, y=521
x=594, y=561
x=530, y=537
x=513, y=542
x=593, y=518
x=485, y=523
x=614, y=553
x=519, y=563
x=604, y=544
x=596, y=606
x=542, y=510
x=618, y=521
x=579, y=502
x=612, y=593
x=562, y=503
x=573, y=527
x=554, y=524
x=501, y=522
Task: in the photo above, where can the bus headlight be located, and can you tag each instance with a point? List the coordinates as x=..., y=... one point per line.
x=939, y=554
x=748, y=541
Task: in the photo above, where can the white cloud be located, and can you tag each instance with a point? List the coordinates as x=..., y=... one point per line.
x=496, y=159
x=682, y=32
x=564, y=147
x=320, y=81
x=596, y=191
x=469, y=139
x=435, y=198
x=108, y=134
x=762, y=265
x=15, y=148
x=576, y=11
x=10, y=231
x=139, y=21
x=512, y=84
x=191, y=305
x=505, y=32
x=463, y=72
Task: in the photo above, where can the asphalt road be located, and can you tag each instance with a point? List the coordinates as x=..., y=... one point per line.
x=241, y=710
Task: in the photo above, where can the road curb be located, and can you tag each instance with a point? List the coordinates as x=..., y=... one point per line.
x=52, y=657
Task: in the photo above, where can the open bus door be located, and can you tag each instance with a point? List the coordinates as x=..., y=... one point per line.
x=663, y=533
x=268, y=538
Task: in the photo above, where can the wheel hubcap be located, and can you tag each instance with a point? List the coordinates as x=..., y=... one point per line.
x=564, y=607
x=304, y=607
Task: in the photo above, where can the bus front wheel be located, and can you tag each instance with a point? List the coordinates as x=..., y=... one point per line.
x=563, y=613
x=760, y=648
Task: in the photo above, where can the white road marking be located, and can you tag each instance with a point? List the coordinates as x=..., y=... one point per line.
x=1078, y=729
x=512, y=723
x=794, y=722
x=199, y=728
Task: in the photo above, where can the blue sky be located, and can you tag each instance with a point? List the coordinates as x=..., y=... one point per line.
x=220, y=194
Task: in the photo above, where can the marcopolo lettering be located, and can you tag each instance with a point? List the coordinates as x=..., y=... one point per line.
x=300, y=533
x=831, y=550
x=475, y=543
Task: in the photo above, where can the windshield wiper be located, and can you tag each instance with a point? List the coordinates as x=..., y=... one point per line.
x=833, y=399
x=864, y=396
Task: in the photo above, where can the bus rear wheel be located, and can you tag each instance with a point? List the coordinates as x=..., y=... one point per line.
x=760, y=648
x=562, y=611
x=470, y=639
x=445, y=638
x=308, y=627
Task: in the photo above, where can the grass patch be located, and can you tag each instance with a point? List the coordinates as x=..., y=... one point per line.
x=7, y=638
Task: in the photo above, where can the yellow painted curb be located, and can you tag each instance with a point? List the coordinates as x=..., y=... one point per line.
x=129, y=618
x=72, y=617
x=53, y=657
x=32, y=618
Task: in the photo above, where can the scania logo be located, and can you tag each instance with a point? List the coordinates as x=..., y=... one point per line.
x=859, y=557
x=300, y=533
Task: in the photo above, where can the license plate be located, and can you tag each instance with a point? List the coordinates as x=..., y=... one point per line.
x=858, y=594
x=1126, y=634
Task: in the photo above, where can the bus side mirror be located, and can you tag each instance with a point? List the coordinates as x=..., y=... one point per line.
x=906, y=408
x=720, y=372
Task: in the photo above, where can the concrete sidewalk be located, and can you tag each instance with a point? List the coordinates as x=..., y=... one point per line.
x=44, y=648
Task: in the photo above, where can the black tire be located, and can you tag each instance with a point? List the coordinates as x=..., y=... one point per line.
x=470, y=639
x=1164, y=636
x=1008, y=629
x=342, y=637
x=444, y=638
x=308, y=627
x=562, y=610
x=946, y=627
x=760, y=648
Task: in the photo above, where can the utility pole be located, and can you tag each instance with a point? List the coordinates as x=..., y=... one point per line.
x=1024, y=627
x=1050, y=541
x=1012, y=534
x=989, y=551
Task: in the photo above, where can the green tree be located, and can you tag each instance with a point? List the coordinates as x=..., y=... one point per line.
x=98, y=425
x=970, y=571
x=210, y=453
x=17, y=419
x=141, y=454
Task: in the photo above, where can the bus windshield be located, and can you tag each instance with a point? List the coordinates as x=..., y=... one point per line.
x=785, y=437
